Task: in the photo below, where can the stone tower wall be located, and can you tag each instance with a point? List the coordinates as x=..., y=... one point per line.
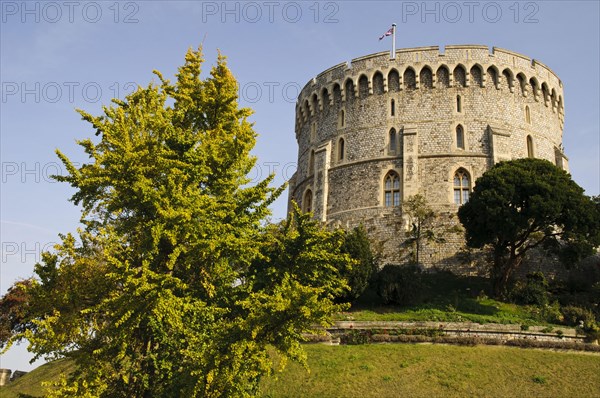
x=344, y=117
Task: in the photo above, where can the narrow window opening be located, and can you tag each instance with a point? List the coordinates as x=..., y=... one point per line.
x=393, y=108
x=458, y=104
x=341, y=149
x=530, y=153
x=460, y=137
x=307, y=202
x=527, y=115
x=392, y=143
x=311, y=163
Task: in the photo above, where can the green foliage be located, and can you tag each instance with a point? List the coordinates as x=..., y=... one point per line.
x=527, y=203
x=357, y=245
x=401, y=285
x=592, y=331
x=421, y=219
x=534, y=291
x=575, y=316
x=550, y=313
x=174, y=286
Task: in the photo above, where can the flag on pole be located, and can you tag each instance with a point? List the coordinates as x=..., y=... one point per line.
x=388, y=33
x=391, y=32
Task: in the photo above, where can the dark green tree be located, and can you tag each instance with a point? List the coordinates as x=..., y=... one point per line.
x=157, y=295
x=357, y=245
x=524, y=204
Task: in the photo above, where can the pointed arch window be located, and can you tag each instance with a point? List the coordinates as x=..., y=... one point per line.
x=462, y=186
x=530, y=153
x=341, y=149
x=391, y=189
x=460, y=137
x=307, y=201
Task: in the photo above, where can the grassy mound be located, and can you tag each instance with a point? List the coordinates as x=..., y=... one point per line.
x=392, y=370
x=30, y=385
x=397, y=370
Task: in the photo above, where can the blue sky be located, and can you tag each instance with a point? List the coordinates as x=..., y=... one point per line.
x=58, y=56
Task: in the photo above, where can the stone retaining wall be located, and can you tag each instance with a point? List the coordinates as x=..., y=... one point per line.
x=467, y=329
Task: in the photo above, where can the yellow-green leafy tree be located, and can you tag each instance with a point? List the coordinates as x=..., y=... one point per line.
x=174, y=285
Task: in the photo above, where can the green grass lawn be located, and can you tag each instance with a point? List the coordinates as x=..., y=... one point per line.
x=408, y=370
x=404, y=370
x=468, y=309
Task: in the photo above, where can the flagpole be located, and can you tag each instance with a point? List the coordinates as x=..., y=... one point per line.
x=393, y=41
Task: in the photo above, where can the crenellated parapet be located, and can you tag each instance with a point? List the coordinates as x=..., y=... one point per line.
x=426, y=68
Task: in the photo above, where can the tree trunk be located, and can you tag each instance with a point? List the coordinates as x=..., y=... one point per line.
x=418, y=240
x=503, y=270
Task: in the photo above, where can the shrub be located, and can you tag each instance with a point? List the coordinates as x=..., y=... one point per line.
x=534, y=291
x=357, y=245
x=402, y=285
x=551, y=313
x=585, y=321
x=573, y=316
x=355, y=337
x=592, y=332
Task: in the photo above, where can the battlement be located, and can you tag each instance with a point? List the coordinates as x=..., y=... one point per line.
x=434, y=54
x=455, y=66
